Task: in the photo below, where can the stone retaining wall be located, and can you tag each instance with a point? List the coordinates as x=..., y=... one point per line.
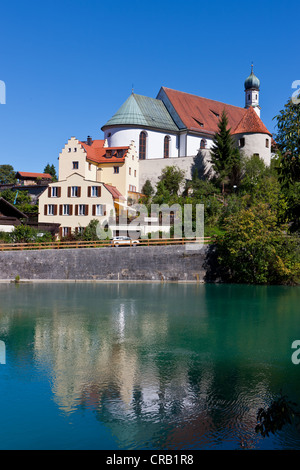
x=142, y=263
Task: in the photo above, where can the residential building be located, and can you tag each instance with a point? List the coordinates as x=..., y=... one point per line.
x=94, y=182
x=117, y=166
x=74, y=202
x=27, y=178
x=10, y=216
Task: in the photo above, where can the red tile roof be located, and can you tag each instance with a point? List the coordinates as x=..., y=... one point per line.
x=96, y=152
x=25, y=174
x=114, y=192
x=202, y=114
x=251, y=123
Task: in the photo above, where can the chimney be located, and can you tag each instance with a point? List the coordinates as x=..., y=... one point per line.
x=89, y=140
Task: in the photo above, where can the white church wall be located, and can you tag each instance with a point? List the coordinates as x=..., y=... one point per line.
x=256, y=144
x=194, y=143
x=119, y=137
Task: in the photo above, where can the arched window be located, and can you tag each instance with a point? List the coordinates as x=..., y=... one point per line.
x=142, y=148
x=166, y=146
x=203, y=144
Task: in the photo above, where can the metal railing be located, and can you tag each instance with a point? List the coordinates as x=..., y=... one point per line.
x=58, y=245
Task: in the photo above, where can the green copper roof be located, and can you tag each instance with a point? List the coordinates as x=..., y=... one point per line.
x=252, y=81
x=142, y=111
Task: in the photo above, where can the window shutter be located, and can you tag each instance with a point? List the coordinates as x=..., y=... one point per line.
x=89, y=191
x=69, y=231
x=49, y=191
x=79, y=191
x=76, y=209
x=69, y=191
x=60, y=232
x=45, y=209
x=55, y=210
x=86, y=210
x=60, y=209
x=104, y=209
x=94, y=209
x=99, y=191
x=58, y=191
x=71, y=210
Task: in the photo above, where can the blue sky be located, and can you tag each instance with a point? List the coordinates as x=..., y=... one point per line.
x=69, y=65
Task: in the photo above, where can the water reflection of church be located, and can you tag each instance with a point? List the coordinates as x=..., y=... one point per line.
x=128, y=371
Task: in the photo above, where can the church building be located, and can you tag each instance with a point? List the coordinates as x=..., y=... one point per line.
x=177, y=125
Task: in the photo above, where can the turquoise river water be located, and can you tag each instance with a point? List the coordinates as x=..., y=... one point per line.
x=145, y=366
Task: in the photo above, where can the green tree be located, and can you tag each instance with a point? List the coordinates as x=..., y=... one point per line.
x=16, y=197
x=148, y=189
x=7, y=174
x=51, y=170
x=225, y=157
x=26, y=234
x=288, y=143
x=253, y=170
x=21, y=200
x=256, y=250
x=170, y=182
x=94, y=231
x=293, y=206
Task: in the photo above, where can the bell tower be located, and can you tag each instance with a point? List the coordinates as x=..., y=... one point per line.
x=252, y=85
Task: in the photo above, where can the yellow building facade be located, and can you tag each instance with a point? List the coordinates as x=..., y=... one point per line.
x=94, y=182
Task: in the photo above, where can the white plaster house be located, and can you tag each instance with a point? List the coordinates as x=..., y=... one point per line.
x=94, y=182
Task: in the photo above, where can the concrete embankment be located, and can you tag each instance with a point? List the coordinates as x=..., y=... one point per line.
x=143, y=263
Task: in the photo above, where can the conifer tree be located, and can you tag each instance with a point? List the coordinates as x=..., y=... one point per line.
x=50, y=169
x=225, y=157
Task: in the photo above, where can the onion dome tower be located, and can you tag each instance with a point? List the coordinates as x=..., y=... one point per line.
x=252, y=85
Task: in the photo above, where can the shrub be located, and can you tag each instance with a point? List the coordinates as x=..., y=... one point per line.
x=255, y=250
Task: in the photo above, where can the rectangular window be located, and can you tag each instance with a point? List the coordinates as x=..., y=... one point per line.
x=99, y=209
x=83, y=209
x=267, y=143
x=130, y=171
x=94, y=191
x=75, y=165
x=51, y=209
x=54, y=191
x=134, y=172
x=66, y=231
x=66, y=209
x=75, y=191
x=116, y=169
x=90, y=166
x=69, y=149
x=242, y=142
